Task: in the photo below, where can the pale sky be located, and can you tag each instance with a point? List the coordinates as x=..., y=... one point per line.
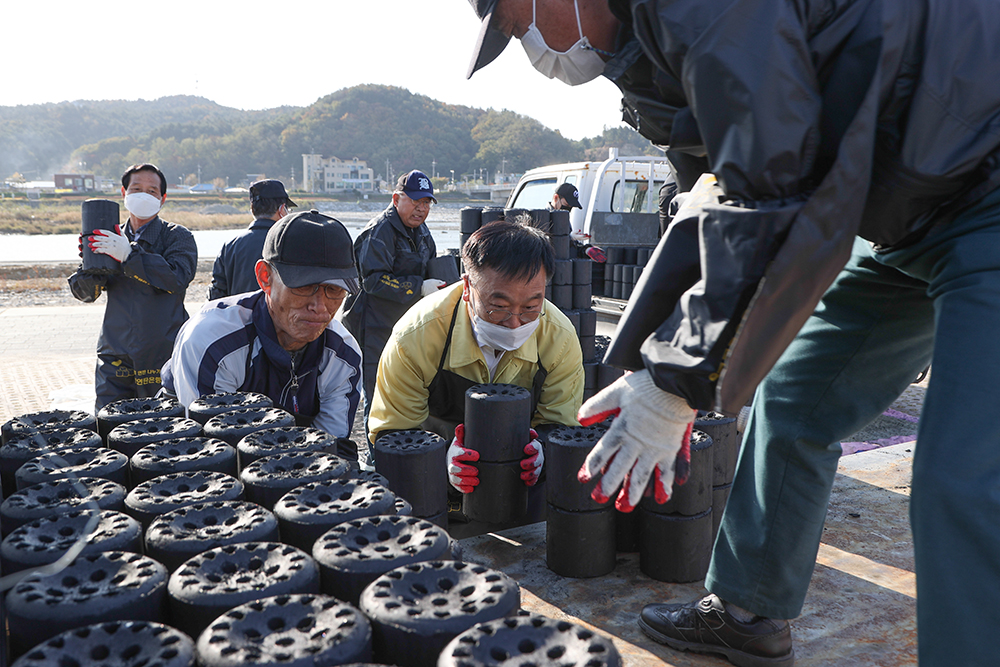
x=258, y=55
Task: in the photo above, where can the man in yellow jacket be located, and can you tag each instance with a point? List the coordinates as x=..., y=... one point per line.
x=493, y=326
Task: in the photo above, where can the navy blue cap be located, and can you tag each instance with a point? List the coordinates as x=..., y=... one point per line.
x=308, y=247
x=269, y=189
x=491, y=42
x=569, y=192
x=415, y=185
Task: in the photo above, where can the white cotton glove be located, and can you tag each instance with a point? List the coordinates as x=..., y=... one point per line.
x=649, y=437
x=431, y=285
x=579, y=236
x=462, y=476
x=114, y=244
x=533, y=462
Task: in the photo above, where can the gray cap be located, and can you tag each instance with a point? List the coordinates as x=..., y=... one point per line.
x=491, y=42
x=308, y=247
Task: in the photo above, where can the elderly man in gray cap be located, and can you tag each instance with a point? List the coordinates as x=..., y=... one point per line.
x=282, y=340
x=235, y=267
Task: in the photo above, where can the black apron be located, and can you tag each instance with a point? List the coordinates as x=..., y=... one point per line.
x=446, y=392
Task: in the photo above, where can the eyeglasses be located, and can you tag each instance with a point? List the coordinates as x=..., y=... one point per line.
x=332, y=292
x=499, y=315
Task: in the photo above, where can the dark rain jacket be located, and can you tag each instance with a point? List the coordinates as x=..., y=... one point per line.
x=233, y=272
x=392, y=264
x=145, y=301
x=822, y=120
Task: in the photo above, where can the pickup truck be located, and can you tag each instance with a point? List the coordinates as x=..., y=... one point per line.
x=620, y=199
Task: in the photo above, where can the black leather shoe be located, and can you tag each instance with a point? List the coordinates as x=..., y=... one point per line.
x=704, y=626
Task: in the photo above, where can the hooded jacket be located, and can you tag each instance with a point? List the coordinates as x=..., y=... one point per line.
x=822, y=120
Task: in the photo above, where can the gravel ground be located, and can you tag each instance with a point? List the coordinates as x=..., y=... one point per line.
x=45, y=285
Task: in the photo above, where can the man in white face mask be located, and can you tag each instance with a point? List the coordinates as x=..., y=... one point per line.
x=156, y=261
x=493, y=326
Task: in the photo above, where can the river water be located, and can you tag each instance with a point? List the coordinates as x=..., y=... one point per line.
x=443, y=223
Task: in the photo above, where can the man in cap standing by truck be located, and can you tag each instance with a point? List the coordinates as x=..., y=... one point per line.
x=857, y=150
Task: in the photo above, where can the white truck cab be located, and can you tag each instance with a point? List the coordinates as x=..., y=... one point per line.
x=620, y=196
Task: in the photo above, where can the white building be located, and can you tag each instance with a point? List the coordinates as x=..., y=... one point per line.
x=335, y=175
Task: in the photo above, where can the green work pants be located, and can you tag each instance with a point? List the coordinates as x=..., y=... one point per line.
x=886, y=317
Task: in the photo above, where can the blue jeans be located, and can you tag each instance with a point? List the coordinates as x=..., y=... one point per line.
x=886, y=317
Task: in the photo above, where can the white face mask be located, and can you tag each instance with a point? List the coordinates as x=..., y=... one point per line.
x=500, y=337
x=579, y=64
x=142, y=205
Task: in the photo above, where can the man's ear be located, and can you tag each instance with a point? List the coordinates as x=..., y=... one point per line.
x=263, y=272
x=395, y=198
x=465, y=286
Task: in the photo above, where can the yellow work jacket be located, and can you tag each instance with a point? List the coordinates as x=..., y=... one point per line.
x=410, y=362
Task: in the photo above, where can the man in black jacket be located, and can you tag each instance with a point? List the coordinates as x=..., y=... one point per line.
x=392, y=253
x=234, y=269
x=145, y=308
x=856, y=145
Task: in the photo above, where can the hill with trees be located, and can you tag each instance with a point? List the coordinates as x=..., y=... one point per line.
x=187, y=136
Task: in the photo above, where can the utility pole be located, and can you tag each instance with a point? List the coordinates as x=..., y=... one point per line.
x=434, y=166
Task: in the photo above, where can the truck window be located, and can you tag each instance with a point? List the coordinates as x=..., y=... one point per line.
x=635, y=196
x=535, y=194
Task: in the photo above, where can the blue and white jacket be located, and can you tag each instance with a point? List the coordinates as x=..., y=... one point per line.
x=231, y=345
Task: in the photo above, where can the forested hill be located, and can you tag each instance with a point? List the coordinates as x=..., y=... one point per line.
x=186, y=135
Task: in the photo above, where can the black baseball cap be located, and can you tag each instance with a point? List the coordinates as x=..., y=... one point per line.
x=569, y=192
x=307, y=248
x=491, y=42
x=269, y=189
x=415, y=185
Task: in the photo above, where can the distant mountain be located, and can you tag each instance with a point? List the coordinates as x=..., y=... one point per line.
x=385, y=126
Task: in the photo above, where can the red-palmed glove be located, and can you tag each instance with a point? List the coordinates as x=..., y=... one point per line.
x=649, y=439
x=113, y=244
x=462, y=476
x=596, y=254
x=533, y=462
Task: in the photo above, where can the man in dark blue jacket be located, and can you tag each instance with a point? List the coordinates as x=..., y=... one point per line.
x=392, y=252
x=145, y=308
x=233, y=272
x=856, y=144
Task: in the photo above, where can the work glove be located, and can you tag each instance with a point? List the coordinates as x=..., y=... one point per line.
x=533, y=462
x=579, y=236
x=431, y=285
x=596, y=254
x=114, y=244
x=462, y=476
x=80, y=246
x=649, y=438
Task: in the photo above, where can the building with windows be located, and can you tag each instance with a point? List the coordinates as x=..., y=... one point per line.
x=75, y=182
x=320, y=174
